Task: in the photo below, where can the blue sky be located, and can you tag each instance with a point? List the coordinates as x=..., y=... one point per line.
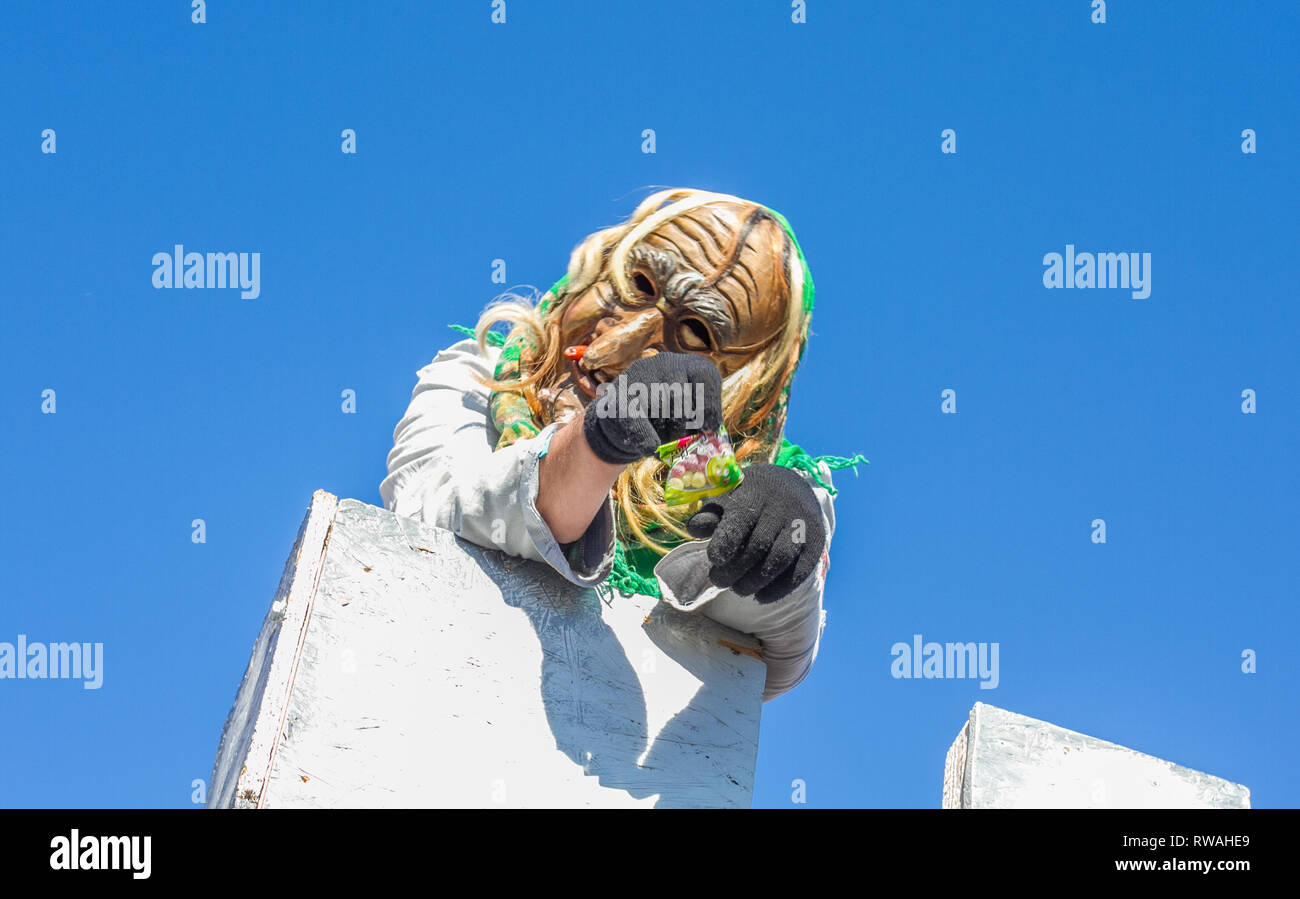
x=479, y=141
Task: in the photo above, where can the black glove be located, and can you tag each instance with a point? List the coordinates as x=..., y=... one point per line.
x=755, y=533
x=622, y=432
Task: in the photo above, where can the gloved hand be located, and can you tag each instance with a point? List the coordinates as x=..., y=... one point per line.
x=754, y=533
x=622, y=435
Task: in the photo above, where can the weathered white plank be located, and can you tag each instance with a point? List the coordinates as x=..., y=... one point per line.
x=249, y=737
x=434, y=673
x=1004, y=760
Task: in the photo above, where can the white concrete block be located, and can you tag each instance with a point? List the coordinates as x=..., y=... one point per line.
x=1004, y=760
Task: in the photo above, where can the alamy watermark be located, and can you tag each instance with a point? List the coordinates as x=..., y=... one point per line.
x=946, y=660
x=1127, y=271
x=681, y=402
x=26, y=660
x=92, y=853
x=220, y=270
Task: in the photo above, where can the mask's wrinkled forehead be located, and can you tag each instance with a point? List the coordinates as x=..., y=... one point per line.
x=737, y=251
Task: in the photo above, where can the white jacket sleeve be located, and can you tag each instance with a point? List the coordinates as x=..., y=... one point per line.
x=790, y=629
x=443, y=469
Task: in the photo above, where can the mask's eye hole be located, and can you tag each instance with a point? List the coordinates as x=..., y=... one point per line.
x=642, y=284
x=693, y=335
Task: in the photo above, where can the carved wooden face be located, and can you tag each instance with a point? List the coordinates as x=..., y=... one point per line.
x=711, y=281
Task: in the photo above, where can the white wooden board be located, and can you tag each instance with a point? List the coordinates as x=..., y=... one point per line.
x=249, y=737
x=1004, y=760
x=432, y=673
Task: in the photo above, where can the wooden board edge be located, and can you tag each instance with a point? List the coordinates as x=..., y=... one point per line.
x=255, y=776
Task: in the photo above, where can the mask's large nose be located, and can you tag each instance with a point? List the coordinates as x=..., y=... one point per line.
x=625, y=342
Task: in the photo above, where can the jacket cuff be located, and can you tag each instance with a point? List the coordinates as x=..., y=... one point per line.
x=588, y=560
